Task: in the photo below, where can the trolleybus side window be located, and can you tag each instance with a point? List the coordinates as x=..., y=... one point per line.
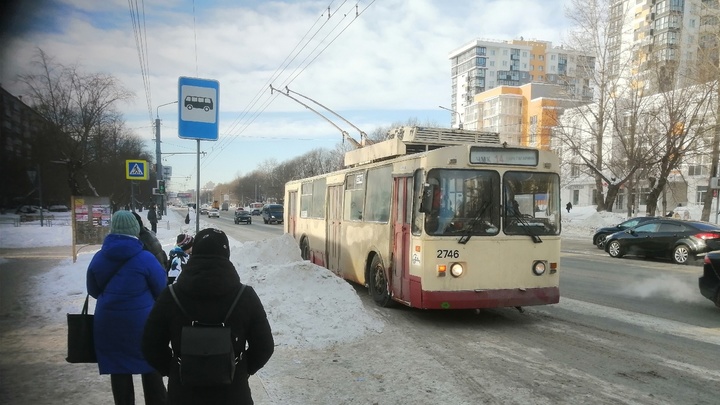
x=312, y=199
x=379, y=193
x=354, y=196
x=418, y=183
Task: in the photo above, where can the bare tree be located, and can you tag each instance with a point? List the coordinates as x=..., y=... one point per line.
x=585, y=132
x=80, y=107
x=678, y=125
x=709, y=71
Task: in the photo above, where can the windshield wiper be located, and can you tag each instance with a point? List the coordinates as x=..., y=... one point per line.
x=478, y=215
x=526, y=226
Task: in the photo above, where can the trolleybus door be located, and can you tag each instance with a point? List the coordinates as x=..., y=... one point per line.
x=291, y=209
x=334, y=218
x=401, y=209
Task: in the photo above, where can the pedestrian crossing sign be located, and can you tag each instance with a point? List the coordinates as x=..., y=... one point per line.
x=136, y=170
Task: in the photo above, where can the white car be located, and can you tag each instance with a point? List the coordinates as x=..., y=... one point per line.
x=213, y=212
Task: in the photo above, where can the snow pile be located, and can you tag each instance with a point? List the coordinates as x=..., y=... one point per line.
x=307, y=305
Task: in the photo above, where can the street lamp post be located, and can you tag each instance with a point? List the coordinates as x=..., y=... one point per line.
x=35, y=178
x=158, y=153
x=460, y=125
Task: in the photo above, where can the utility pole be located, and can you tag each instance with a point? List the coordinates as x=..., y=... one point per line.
x=158, y=155
x=158, y=162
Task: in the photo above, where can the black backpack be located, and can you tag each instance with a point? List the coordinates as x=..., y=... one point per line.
x=207, y=354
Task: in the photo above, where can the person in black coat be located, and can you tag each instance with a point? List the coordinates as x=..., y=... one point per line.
x=207, y=289
x=153, y=217
x=151, y=243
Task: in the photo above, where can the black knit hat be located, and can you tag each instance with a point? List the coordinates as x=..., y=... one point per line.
x=211, y=241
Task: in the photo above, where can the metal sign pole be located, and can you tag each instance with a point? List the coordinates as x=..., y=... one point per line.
x=197, y=192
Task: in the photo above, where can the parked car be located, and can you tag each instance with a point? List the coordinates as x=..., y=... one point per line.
x=28, y=209
x=213, y=213
x=681, y=241
x=272, y=213
x=243, y=216
x=58, y=208
x=710, y=280
x=601, y=233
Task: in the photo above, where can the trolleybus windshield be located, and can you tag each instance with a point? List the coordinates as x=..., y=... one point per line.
x=472, y=202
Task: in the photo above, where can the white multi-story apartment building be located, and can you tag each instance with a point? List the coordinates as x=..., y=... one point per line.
x=649, y=37
x=482, y=65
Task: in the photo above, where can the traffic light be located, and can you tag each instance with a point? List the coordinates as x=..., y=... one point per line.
x=161, y=186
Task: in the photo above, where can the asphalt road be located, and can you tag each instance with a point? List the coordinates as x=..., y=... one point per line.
x=626, y=331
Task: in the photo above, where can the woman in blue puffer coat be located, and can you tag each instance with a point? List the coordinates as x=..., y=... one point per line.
x=125, y=279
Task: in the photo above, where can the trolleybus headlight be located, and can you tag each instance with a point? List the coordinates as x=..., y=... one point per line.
x=456, y=269
x=539, y=268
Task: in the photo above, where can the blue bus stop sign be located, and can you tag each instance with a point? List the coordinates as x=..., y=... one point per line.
x=198, y=108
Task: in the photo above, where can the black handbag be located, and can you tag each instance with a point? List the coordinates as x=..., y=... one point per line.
x=81, y=343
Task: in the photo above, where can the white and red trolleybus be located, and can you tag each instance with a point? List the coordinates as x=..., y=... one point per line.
x=436, y=218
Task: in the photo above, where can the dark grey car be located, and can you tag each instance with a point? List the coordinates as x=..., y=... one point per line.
x=243, y=216
x=681, y=241
x=601, y=233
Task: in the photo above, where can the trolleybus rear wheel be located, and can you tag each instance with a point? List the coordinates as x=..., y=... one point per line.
x=378, y=283
x=304, y=249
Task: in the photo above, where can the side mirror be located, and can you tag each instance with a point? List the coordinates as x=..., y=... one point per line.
x=427, y=197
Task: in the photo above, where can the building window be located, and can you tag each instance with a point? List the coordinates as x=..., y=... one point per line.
x=575, y=171
x=700, y=194
x=697, y=170
x=576, y=197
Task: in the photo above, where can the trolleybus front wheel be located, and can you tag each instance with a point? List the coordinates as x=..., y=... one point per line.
x=378, y=283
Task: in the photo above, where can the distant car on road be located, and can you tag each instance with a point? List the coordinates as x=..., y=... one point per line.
x=204, y=210
x=710, y=281
x=601, y=233
x=272, y=213
x=681, y=241
x=255, y=211
x=213, y=213
x=243, y=216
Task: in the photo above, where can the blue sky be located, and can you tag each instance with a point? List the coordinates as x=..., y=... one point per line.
x=387, y=65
